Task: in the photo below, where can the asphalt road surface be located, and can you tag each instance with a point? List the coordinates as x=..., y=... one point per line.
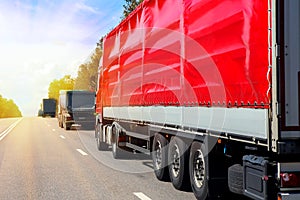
x=39, y=160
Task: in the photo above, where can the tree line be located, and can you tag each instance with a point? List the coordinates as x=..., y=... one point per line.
x=8, y=108
x=87, y=75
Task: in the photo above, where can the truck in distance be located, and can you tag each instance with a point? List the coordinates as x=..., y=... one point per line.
x=210, y=89
x=76, y=108
x=48, y=107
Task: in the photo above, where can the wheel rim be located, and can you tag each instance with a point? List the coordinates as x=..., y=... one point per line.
x=175, y=156
x=158, y=155
x=199, y=169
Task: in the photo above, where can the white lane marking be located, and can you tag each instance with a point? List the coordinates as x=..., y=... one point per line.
x=63, y=137
x=6, y=132
x=82, y=152
x=141, y=196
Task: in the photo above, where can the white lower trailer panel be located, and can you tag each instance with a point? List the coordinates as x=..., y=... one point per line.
x=242, y=121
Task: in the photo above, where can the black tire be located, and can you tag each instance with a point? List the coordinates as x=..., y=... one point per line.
x=60, y=124
x=235, y=179
x=101, y=146
x=67, y=126
x=160, y=157
x=178, y=164
x=116, y=150
x=198, y=168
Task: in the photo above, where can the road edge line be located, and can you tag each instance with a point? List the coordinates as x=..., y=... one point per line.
x=7, y=131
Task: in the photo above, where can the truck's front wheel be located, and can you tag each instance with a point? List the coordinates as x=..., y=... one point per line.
x=102, y=146
x=198, y=168
x=116, y=150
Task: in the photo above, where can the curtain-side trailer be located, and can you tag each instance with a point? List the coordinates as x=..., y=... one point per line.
x=210, y=89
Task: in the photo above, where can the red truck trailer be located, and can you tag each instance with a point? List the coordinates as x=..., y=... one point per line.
x=210, y=89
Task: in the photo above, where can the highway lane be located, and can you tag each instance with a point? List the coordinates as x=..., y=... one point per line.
x=39, y=160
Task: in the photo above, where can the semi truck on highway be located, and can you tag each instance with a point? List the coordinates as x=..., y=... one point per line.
x=76, y=108
x=49, y=107
x=211, y=90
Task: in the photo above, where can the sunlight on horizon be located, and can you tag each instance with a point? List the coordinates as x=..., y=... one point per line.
x=42, y=41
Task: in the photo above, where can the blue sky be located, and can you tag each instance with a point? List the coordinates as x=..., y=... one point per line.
x=43, y=40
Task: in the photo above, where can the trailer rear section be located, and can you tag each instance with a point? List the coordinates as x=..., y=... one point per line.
x=49, y=107
x=76, y=109
x=209, y=89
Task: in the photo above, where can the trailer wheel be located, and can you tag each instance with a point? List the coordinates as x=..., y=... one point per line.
x=178, y=163
x=198, y=168
x=160, y=157
x=101, y=146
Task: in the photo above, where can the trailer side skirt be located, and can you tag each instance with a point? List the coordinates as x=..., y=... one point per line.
x=245, y=122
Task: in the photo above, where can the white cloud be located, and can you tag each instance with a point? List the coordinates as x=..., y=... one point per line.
x=84, y=7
